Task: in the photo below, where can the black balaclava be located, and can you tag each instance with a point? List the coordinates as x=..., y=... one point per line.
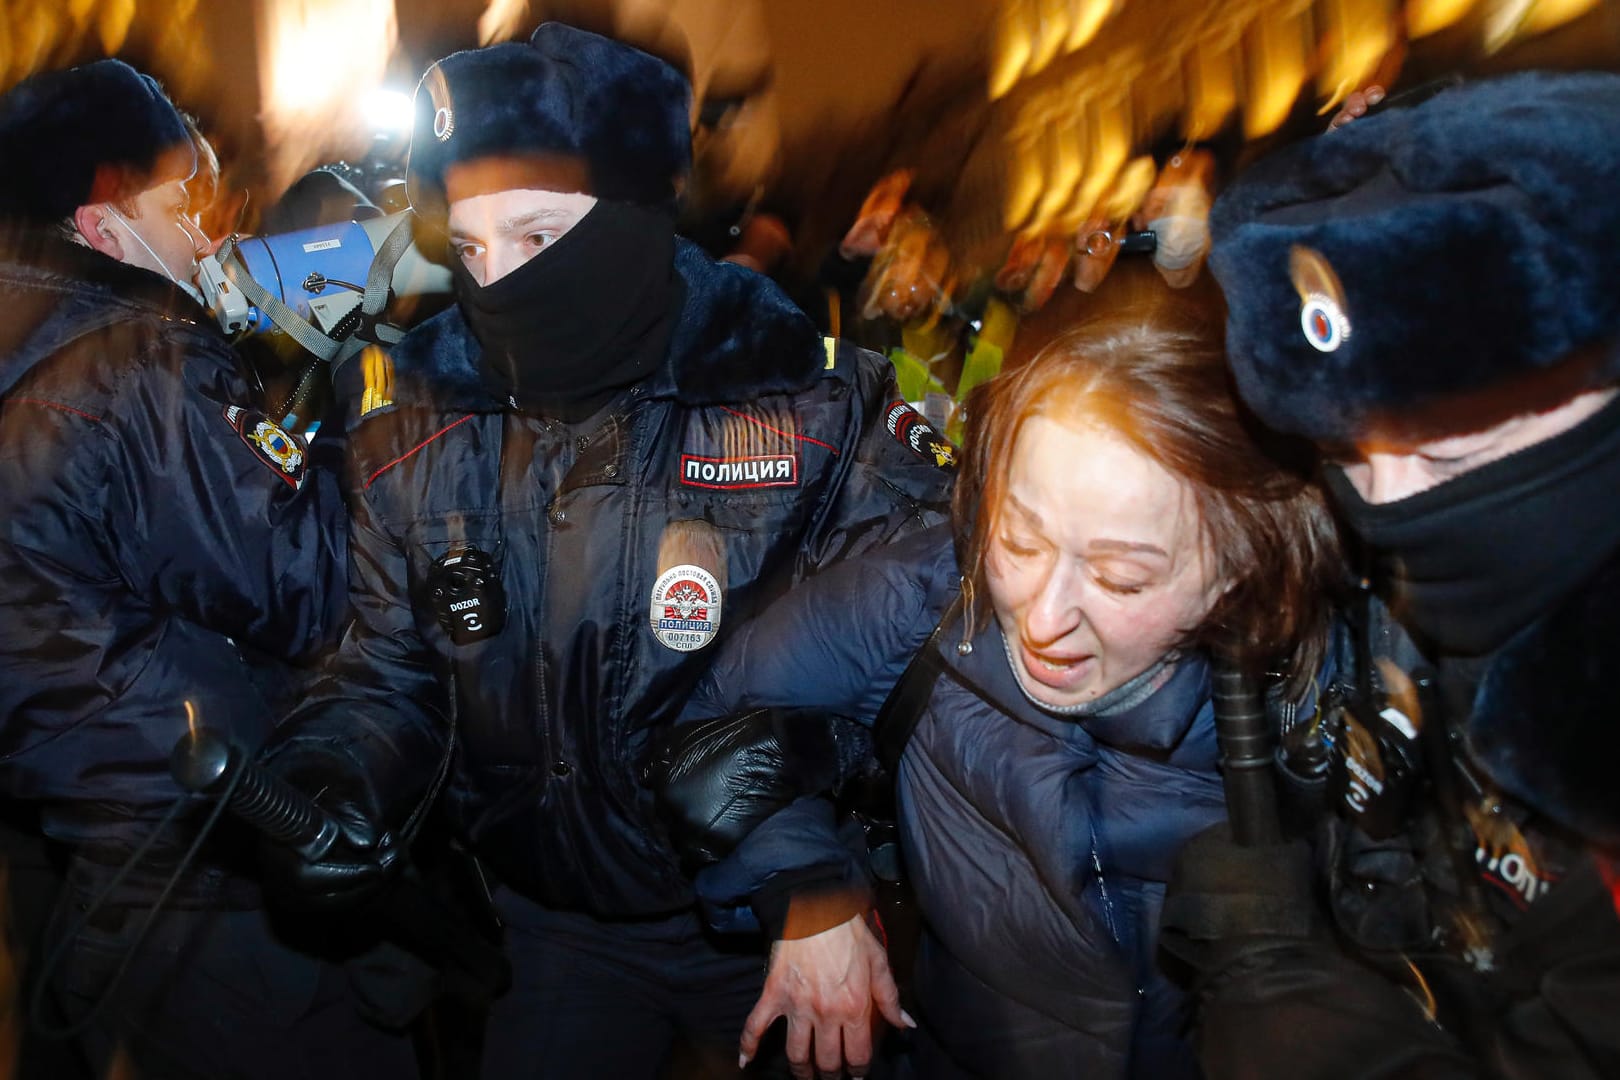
x=1479, y=557
x=589, y=316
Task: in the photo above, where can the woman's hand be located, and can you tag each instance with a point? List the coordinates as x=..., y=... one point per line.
x=826, y=985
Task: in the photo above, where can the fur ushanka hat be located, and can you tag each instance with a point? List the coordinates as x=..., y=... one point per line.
x=1425, y=252
x=567, y=93
x=85, y=135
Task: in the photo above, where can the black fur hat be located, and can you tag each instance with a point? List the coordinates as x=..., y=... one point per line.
x=1425, y=252
x=84, y=135
x=567, y=93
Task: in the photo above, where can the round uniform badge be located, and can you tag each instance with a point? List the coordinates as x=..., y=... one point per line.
x=686, y=607
x=1322, y=316
x=1325, y=324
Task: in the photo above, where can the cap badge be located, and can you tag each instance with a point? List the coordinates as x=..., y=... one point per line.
x=1322, y=317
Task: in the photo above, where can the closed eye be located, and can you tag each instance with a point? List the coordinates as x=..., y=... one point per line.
x=1018, y=550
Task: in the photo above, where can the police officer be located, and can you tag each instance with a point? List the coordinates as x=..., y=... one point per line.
x=162, y=542
x=568, y=489
x=1433, y=295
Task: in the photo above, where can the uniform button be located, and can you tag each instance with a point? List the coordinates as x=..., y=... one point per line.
x=558, y=517
x=561, y=768
x=582, y=442
x=611, y=471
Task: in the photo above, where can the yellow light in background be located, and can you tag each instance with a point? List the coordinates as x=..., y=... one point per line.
x=1089, y=16
x=503, y=19
x=40, y=34
x=1544, y=15
x=1010, y=47
x=27, y=42
x=1051, y=31
x=186, y=62
x=1212, y=88
x=1354, y=37
x=319, y=59
x=1130, y=188
x=1066, y=162
x=1549, y=14
x=1109, y=121
x=1424, y=17
x=1026, y=174
x=1276, y=67
x=1158, y=97
x=113, y=22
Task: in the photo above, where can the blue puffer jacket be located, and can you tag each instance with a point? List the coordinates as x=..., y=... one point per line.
x=1039, y=845
x=628, y=549
x=154, y=528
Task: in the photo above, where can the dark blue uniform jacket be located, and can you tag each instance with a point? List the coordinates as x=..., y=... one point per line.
x=154, y=528
x=1039, y=845
x=627, y=547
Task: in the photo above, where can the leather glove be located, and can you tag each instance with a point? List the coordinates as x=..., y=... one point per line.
x=715, y=780
x=359, y=864
x=1227, y=903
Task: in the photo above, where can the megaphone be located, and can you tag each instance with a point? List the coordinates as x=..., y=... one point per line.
x=320, y=273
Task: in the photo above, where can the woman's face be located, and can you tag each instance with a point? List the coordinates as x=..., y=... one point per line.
x=1097, y=566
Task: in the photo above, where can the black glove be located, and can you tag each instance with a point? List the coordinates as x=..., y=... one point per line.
x=714, y=780
x=1226, y=902
x=359, y=864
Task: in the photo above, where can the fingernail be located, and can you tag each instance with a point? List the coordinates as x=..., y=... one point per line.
x=905, y=1016
x=742, y=1061
x=1374, y=96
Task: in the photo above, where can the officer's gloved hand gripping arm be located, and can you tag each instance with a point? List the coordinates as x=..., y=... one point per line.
x=370, y=741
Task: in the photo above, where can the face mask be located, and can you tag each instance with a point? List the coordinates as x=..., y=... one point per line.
x=190, y=289
x=1182, y=241
x=1474, y=560
x=587, y=317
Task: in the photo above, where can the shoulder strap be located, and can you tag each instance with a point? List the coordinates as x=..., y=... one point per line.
x=901, y=710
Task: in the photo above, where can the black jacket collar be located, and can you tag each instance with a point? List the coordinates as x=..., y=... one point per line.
x=1546, y=719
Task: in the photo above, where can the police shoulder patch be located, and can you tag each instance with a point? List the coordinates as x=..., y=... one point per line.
x=281, y=451
x=916, y=434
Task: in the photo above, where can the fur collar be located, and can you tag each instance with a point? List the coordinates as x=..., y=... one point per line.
x=57, y=291
x=1546, y=720
x=738, y=335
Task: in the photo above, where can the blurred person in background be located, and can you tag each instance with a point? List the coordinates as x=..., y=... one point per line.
x=1432, y=293
x=567, y=490
x=162, y=542
x=1176, y=211
x=1115, y=527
